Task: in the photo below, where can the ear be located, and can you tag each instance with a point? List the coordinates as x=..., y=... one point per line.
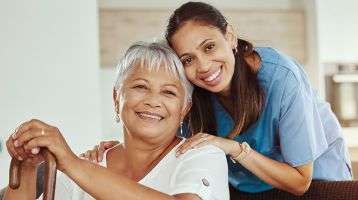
x=231, y=36
x=185, y=110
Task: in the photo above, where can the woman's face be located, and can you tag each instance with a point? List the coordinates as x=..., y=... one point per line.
x=151, y=103
x=206, y=54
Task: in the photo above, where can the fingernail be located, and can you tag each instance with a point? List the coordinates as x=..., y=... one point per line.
x=16, y=143
x=20, y=158
x=35, y=151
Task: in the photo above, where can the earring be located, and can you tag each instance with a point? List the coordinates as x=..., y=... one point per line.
x=181, y=129
x=117, y=118
x=235, y=50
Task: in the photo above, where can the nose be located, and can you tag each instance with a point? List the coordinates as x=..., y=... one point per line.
x=152, y=100
x=203, y=64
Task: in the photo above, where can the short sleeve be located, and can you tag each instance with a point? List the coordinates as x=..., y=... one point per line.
x=202, y=171
x=301, y=133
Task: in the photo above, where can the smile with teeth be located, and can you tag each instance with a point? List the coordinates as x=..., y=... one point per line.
x=213, y=76
x=148, y=115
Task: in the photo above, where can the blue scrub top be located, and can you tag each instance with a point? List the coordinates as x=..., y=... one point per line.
x=295, y=127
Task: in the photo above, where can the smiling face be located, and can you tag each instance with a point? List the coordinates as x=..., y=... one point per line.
x=151, y=103
x=206, y=54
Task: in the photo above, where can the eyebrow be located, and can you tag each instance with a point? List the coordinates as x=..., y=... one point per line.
x=141, y=79
x=203, y=42
x=164, y=85
x=170, y=84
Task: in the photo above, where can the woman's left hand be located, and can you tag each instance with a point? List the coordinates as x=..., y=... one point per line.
x=35, y=133
x=229, y=146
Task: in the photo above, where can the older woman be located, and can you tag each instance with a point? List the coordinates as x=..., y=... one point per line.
x=151, y=98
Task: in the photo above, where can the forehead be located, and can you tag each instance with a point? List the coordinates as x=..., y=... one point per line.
x=155, y=75
x=191, y=34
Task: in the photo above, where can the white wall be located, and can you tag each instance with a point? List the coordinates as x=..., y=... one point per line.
x=49, y=66
x=337, y=30
x=312, y=66
x=165, y=4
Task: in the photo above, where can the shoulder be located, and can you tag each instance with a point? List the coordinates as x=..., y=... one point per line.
x=277, y=67
x=279, y=61
x=212, y=156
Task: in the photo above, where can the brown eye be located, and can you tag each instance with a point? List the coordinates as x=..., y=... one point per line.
x=209, y=47
x=170, y=93
x=143, y=87
x=187, y=61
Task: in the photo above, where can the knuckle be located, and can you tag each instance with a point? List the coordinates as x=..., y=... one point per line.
x=33, y=120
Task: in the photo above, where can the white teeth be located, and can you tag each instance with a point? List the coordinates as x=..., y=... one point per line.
x=213, y=76
x=149, y=116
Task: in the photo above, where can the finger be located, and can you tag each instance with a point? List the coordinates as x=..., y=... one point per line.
x=186, y=145
x=11, y=149
x=24, y=137
x=87, y=155
x=22, y=153
x=35, y=151
x=43, y=141
x=33, y=123
x=93, y=154
x=194, y=142
x=203, y=143
x=109, y=144
x=191, y=139
x=102, y=148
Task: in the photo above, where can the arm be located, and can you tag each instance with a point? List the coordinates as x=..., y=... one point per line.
x=88, y=176
x=280, y=175
x=116, y=186
x=295, y=180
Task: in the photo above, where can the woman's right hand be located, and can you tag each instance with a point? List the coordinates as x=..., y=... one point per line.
x=29, y=158
x=96, y=154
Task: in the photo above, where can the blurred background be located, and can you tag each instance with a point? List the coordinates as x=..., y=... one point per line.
x=58, y=58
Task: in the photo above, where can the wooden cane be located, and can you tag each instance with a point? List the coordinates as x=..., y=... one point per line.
x=50, y=174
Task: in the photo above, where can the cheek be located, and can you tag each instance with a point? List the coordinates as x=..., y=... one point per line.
x=175, y=109
x=190, y=73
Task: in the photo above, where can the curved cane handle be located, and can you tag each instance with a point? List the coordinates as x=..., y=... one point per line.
x=50, y=174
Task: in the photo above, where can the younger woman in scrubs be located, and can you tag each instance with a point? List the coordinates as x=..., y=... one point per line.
x=257, y=105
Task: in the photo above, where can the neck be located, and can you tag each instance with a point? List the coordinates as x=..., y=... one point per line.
x=140, y=154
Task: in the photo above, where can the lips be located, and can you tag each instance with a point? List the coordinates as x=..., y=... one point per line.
x=213, y=78
x=149, y=116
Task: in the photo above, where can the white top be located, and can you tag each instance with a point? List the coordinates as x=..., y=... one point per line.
x=201, y=171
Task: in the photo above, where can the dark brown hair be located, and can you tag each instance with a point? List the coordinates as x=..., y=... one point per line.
x=246, y=94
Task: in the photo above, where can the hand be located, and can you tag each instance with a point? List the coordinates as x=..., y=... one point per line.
x=29, y=159
x=229, y=146
x=96, y=154
x=35, y=134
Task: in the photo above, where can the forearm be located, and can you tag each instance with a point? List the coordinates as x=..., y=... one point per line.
x=104, y=184
x=27, y=189
x=279, y=175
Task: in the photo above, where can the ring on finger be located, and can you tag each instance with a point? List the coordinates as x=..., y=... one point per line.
x=42, y=132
